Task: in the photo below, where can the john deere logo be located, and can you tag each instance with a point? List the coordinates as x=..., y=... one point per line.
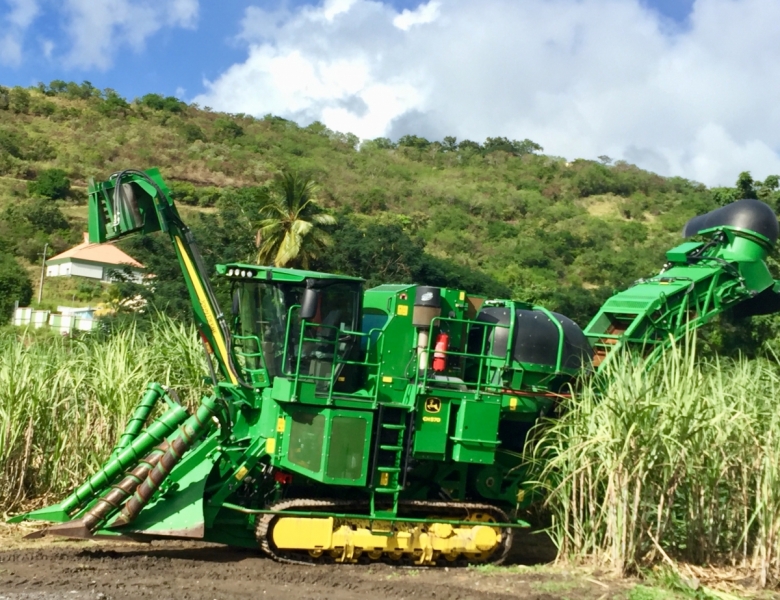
x=432, y=405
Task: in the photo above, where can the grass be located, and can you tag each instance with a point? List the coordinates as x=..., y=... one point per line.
x=63, y=402
x=680, y=461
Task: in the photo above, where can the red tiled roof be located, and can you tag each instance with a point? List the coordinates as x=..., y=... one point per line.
x=102, y=253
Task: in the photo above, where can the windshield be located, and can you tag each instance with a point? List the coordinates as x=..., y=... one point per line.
x=269, y=311
x=262, y=322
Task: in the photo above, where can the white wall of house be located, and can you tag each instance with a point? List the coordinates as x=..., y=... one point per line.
x=62, y=269
x=85, y=270
x=100, y=272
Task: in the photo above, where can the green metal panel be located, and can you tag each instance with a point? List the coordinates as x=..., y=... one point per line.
x=346, y=455
x=432, y=427
x=183, y=515
x=476, y=429
x=326, y=444
x=281, y=274
x=680, y=253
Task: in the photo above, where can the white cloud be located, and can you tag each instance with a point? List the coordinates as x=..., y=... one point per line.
x=47, y=47
x=15, y=25
x=333, y=8
x=425, y=13
x=581, y=77
x=98, y=30
x=184, y=13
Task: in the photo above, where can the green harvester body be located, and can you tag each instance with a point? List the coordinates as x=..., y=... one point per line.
x=386, y=423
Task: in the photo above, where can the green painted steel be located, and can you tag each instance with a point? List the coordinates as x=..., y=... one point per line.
x=139, y=417
x=323, y=390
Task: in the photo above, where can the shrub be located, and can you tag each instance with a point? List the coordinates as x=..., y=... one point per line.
x=44, y=216
x=15, y=285
x=158, y=102
x=226, y=130
x=51, y=183
x=19, y=100
x=192, y=132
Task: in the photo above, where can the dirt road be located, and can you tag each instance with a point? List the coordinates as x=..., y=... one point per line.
x=53, y=571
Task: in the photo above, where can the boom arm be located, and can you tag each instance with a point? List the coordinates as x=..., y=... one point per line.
x=134, y=201
x=700, y=280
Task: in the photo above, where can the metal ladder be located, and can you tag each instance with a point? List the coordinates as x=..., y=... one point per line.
x=391, y=456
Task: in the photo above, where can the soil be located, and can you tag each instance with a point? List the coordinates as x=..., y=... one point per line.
x=51, y=570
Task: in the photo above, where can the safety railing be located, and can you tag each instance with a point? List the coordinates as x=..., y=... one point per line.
x=489, y=367
x=326, y=349
x=258, y=374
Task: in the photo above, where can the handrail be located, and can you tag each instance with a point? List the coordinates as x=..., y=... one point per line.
x=336, y=361
x=482, y=382
x=240, y=352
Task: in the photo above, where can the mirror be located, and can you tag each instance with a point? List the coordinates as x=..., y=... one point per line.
x=309, y=303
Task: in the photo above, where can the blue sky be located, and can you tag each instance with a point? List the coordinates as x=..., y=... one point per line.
x=174, y=58
x=681, y=87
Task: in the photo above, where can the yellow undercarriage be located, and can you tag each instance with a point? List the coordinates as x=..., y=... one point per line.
x=347, y=540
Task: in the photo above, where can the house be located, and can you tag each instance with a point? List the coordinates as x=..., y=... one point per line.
x=94, y=261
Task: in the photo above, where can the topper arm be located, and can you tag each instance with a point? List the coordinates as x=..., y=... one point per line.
x=134, y=201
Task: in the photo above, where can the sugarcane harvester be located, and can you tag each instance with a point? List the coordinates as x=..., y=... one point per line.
x=385, y=424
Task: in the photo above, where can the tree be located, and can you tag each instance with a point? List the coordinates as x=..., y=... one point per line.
x=113, y=104
x=51, y=183
x=157, y=102
x=383, y=143
x=450, y=143
x=413, y=141
x=385, y=253
x=46, y=217
x=15, y=285
x=192, y=133
x=226, y=130
x=469, y=145
x=746, y=186
x=289, y=232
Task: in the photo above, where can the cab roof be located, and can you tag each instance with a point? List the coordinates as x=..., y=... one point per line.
x=279, y=274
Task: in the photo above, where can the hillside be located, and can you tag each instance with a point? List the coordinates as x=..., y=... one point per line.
x=500, y=213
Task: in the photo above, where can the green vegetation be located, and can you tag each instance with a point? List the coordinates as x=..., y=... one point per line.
x=681, y=459
x=14, y=286
x=51, y=183
x=290, y=230
x=678, y=461
x=63, y=403
x=498, y=215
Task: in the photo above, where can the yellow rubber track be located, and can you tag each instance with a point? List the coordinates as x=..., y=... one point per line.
x=331, y=539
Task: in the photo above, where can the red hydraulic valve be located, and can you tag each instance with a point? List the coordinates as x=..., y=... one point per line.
x=439, y=353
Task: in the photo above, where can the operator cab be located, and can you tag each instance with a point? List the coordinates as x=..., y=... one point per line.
x=293, y=323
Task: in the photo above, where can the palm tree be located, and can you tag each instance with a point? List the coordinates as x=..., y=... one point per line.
x=289, y=233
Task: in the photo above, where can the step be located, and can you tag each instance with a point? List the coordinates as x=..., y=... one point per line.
x=392, y=448
x=389, y=469
x=393, y=426
x=387, y=490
